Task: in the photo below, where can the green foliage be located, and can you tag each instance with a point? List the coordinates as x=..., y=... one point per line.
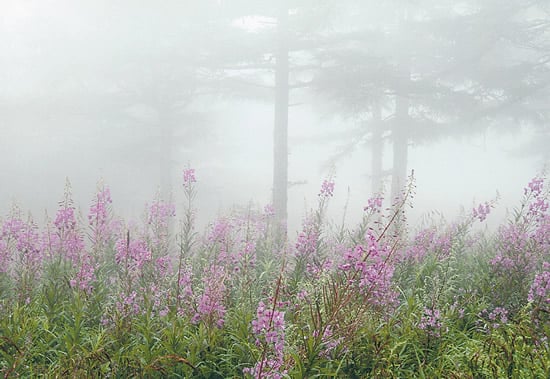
x=444, y=319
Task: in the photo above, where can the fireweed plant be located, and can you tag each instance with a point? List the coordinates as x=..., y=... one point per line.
x=91, y=295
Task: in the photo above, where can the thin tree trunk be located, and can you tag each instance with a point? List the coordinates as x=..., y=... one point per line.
x=400, y=146
x=280, y=137
x=400, y=154
x=377, y=149
x=165, y=162
x=166, y=159
x=400, y=132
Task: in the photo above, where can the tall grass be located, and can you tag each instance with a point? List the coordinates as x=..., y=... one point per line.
x=97, y=296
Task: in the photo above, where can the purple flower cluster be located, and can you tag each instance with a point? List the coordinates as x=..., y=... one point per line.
x=186, y=296
x=20, y=243
x=535, y=187
x=269, y=210
x=67, y=240
x=85, y=276
x=327, y=188
x=5, y=256
x=536, y=198
x=499, y=315
x=99, y=218
x=369, y=268
x=514, y=251
x=309, y=251
x=374, y=204
x=132, y=255
x=232, y=242
x=431, y=321
x=541, y=234
x=210, y=305
x=163, y=266
x=540, y=289
x=307, y=240
x=159, y=295
x=481, y=211
x=12, y=227
x=65, y=218
x=458, y=304
x=328, y=342
x=538, y=208
x=189, y=177
x=229, y=241
x=269, y=330
x=28, y=243
x=160, y=213
x=316, y=268
x=522, y=245
x=244, y=258
x=158, y=219
x=220, y=232
x=429, y=240
x=128, y=305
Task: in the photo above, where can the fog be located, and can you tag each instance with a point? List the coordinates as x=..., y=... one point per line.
x=265, y=99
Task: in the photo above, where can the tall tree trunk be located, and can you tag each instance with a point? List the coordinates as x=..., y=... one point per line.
x=280, y=135
x=400, y=145
x=400, y=154
x=400, y=132
x=377, y=149
x=165, y=161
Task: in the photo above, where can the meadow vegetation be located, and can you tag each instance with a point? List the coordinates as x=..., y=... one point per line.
x=96, y=296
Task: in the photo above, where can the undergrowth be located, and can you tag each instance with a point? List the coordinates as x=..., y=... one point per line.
x=97, y=296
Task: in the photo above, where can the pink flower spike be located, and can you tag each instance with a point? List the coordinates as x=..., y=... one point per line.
x=189, y=177
x=327, y=188
x=374, y=204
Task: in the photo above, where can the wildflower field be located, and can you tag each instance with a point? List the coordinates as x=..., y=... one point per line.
x=96, y=296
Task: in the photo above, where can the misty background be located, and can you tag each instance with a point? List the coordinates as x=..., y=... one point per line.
x=266, y=98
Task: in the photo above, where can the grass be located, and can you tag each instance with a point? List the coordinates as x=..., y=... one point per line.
x=99, y=297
